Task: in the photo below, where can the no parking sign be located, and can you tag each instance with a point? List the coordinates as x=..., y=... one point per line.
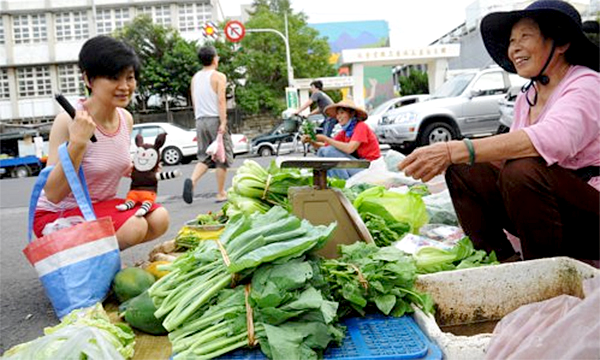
x=234, y=31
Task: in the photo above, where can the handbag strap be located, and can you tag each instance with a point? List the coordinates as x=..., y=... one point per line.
x=77, y=184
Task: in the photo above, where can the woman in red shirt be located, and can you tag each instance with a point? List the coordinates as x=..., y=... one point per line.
x=355, y=141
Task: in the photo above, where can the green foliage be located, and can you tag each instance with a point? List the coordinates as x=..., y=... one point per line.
x=263, y=56
x=168, y=60
x=415, y=83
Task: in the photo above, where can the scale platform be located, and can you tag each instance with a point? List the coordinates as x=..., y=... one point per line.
x=322, y=205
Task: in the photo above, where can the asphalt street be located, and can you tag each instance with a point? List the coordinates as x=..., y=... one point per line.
x=24, y=308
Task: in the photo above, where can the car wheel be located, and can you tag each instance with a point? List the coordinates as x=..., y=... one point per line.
x=436, y=132
x=20, y=172
x=171, y=155
x=265, y=151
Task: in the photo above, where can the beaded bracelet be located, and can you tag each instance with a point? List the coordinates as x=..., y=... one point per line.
x=471, y=150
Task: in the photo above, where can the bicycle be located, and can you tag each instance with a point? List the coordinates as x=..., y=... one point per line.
x=300, y=125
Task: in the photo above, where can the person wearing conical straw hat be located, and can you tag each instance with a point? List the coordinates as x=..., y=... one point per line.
x=541, y=181
x=356, y=140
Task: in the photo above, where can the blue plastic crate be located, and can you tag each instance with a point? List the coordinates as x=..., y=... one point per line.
x=371, y=338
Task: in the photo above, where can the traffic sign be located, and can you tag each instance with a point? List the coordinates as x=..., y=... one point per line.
x=234, y=31
x=209, y=29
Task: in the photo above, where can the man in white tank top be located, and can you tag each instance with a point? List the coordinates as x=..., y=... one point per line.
x=210, y=110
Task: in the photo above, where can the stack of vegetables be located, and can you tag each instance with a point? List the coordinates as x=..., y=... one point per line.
x=279, y=309
x=367, y=278
x=255, y=189
x=196, y=278
x=389, y=215
x=83, y=334
x=462, y=256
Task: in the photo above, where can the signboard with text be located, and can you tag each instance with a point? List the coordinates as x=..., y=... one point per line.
x=291, y=95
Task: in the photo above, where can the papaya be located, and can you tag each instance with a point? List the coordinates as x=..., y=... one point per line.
x=139, y=313
x=130, y=282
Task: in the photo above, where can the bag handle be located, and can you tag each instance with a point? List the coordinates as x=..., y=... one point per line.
x=77, y=184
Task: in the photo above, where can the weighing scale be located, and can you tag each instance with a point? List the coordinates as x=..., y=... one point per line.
x=322, y=205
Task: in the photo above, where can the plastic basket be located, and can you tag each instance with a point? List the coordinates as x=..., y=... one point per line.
x=372, y=338
x=290, y=125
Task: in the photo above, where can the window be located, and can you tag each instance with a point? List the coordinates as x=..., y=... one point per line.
x=71, y=26
x=34, y=81
x=29, y=28
x=69, y=80
x=160, y=15
x=1, y=31
x=4, y=89
x=490, y=84
x=192, y=16
x=109, y=20
x=151, y=131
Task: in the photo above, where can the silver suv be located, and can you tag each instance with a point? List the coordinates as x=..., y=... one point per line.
x=464, y=106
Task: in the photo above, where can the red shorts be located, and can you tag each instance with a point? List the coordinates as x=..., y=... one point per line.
x=102, y=209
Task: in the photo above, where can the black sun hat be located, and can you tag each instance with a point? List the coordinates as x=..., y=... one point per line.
x=496, y=28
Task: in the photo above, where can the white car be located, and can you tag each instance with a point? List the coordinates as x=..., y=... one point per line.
x=376, y=114
x=181, y=145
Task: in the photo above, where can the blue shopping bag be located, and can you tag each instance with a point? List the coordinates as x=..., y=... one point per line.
x=76, y=265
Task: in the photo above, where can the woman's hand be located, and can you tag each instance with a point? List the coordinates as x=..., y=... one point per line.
x=81, y=128
x=305, y=139
x=426, y=162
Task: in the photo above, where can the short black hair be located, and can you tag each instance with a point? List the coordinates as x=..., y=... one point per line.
x=206, y=55
x=104, y=56
x=318, y=84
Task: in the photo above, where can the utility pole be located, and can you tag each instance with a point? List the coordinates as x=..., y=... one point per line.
x=290, y=70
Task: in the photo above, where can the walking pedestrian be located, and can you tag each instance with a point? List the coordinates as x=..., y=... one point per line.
x=208, y=99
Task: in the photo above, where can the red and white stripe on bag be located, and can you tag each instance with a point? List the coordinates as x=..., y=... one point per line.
x=47, y=257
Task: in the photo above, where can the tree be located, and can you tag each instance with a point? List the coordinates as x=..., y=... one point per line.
x=261, y=57
x=415, y=83
x=168, y=60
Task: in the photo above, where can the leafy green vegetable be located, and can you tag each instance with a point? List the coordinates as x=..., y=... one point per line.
x=393, y=207
x=383, y=233
x=366, y=276
x=308, y=128
x=82, y=334
x=292, y=320
x=463, y=255
x=248, y=241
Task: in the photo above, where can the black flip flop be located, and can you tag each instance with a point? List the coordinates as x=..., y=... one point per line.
x=188, y=191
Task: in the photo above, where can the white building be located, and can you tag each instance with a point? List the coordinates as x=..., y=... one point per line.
x=40, y=42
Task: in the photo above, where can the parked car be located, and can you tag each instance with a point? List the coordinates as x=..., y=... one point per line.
x=382, y=109
x=267, y=144
x=464, y=106
x=181, y=145
x=507, y=105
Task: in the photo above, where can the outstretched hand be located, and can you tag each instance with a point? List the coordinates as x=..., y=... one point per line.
x=426, y=162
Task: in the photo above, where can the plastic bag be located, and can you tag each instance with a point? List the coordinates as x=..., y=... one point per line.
x=564, y=327
x=440, y=208
x=378, y=174
x=216, y=149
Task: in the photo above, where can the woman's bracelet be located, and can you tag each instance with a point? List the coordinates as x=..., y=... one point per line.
x=471, y=150
x=449, y=152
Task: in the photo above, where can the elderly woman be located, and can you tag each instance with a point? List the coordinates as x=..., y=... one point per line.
x=355, y=141
x=540, y=182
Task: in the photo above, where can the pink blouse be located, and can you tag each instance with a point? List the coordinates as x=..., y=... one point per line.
x=567, y=131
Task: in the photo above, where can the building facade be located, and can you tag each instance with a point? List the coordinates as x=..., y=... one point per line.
x=40, y=42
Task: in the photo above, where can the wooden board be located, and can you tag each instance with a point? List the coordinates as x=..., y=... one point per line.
x=147, y=347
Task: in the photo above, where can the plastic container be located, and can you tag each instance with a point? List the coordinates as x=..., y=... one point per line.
x=372, y=338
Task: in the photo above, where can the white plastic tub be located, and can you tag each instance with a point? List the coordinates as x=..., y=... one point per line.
x=489, y=293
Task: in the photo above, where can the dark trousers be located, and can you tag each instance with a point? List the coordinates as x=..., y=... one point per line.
x=550, y=209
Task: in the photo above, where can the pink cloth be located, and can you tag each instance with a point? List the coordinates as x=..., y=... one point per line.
x=568, y=129
x=104, y=163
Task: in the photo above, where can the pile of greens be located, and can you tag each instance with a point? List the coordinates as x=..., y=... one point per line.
x=83, y=334
x=266, y=187
x=463, y=255
x=248, y=241
x=308, y=128
x=291, y=319
x=366, y=277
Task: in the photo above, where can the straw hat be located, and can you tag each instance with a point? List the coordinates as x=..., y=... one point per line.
x=496, y=28
x=331, y=110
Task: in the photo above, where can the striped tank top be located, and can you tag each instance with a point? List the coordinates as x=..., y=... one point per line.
x=104, y=163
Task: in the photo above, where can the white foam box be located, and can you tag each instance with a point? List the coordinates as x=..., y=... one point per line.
x=487, y=294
